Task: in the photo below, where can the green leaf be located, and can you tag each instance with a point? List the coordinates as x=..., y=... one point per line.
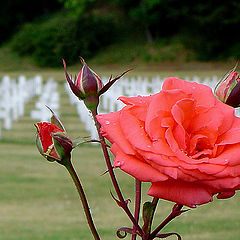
x=148, y=211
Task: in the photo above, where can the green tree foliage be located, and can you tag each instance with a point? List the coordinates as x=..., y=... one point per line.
x=79, y=7
x=15, y=12
x=211, y=29
x=61, y=36
x=208, y=27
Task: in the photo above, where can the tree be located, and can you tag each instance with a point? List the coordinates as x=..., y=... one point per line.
x=15, y=12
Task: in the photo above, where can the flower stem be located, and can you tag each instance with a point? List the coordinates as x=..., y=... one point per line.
x=83, y=198
x=138, y=188
x=113, y=177
x=176, y=211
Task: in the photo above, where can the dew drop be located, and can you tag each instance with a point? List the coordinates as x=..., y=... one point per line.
x=107, y=122
x=117, y=164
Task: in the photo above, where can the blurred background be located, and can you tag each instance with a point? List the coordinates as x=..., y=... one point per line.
x=194, y=40
x=147, y=32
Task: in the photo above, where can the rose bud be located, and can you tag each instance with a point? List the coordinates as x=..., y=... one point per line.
x=87, y=86
x=228, y=89
x=52, y=143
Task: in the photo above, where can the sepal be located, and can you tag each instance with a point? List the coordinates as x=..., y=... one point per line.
x=78, y=141
x=39, y=143
x=63, y=145
x=50, y=158
x=55, y=120
x=73, y=87
x=112, y=81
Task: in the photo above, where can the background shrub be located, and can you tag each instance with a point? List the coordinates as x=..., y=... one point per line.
x=61, y=36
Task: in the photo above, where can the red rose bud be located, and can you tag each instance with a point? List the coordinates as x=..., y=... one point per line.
x=228, y=89
x=52, y=143
x=87, y=86
x=88, y=81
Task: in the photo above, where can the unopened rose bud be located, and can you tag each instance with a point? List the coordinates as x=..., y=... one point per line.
x=52, y=143
x=87, y=86
x=228, y=89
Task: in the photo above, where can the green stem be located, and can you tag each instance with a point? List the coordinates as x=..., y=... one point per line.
x=83, y=198
x=138, y=188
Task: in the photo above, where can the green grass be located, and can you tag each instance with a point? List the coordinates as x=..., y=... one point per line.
x=144, y=58
x=38, y=199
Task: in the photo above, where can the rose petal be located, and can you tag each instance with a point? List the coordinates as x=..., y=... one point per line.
x=45, y=130
x=111, y=129
x=133, y=166
x=198, y=91
x=164, y=101
x=207, y=124
x=229, y=156
x=137, y=105
x=197, y=174
x=229, y=171
x=182, y=113
x=223, y=183
x=134, y=131
x=228, y=118
x=173, y=172
x=224, y=195
x=189, y=194
x=232, y=136
x=180, y=154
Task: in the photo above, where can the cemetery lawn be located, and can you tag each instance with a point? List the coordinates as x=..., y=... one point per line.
x=38, y=199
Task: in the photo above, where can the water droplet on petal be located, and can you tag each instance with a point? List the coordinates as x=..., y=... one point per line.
x=107, y=122
x=117, y=164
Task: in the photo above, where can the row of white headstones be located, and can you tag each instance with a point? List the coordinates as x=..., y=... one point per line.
x=14, y=94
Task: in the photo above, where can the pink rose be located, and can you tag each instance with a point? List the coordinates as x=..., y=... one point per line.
x=182, y=140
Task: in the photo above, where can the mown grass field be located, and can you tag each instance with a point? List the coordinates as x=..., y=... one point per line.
x=38, y=200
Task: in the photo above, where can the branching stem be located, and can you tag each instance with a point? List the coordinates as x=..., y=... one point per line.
x=176, y=211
